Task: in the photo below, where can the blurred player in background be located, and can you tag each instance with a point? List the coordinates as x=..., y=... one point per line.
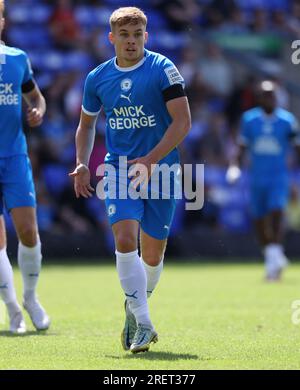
x=17, y=191
x=267, y=132
x=147, y=116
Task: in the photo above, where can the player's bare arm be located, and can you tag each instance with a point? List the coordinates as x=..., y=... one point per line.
x=179, y=111
x=85, y=137
x=36, y=106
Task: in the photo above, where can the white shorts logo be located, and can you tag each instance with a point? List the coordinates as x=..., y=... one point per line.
x=126, y=85
x=111, y=210
x=173, y=75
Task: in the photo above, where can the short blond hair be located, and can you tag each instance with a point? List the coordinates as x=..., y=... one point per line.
x=2, y=6
x=127, y=15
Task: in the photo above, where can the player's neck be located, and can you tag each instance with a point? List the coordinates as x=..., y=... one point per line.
x=123, y=63
x=268, y=112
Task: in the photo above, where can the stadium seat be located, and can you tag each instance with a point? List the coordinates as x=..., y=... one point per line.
x=56, y=178
x=45, y=217
x=155, y=20
x=53, y=61
x=269, y=5
x=234, y=218
x=124, y=3
x=214, y=175
x=92, y=17
x=35, y=37
x=37, y=14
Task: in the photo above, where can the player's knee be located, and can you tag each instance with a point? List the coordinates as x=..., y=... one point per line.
x=28, y=235
x=3, y=242
x=152, y=258
x=125, y=242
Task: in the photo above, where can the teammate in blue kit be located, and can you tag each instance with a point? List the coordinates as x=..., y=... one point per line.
x=17, y=192
x=147, y=116
x=267, y=131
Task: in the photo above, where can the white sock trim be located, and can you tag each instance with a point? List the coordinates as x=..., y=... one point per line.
x=8, y=293
x=27, y=250
x=151, y=268
x=129, y=256
x=273, y=249
x=30, y=262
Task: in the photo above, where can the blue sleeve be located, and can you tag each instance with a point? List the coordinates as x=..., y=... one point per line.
x=169, y=75
x=244, y=135
x=294, y=130
x=91, y=104
x=28, y=73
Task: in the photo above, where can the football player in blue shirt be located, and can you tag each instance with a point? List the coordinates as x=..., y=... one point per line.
x=17, y=192
x=147, y=116
x=267, y=131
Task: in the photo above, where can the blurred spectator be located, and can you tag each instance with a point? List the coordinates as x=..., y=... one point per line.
x=182, y=15
x=188, y=65
x=225, y=7
x=282, y=95
x=259, y=23
x=294, y=19
x=212, y=146
x=73, y=95
x=242, y=98
x=65, y=30
x=216, y=71
x=98, y=47
x=236, y=23
x=279, y=22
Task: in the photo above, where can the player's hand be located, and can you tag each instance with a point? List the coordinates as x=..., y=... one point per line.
x=233, y=174
x=82, y=179
x=34, y=117
x=140, y=171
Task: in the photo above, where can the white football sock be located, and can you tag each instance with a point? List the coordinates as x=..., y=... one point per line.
x=133, y=280
x=153, y=275
x=273, y=250
x=7, y=289
x=30, y=260
x=273, y=254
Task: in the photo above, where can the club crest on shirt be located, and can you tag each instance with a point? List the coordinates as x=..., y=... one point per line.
x=126, y=85
x=111, y=210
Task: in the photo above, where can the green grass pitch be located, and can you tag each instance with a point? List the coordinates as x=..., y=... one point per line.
x=209, y=316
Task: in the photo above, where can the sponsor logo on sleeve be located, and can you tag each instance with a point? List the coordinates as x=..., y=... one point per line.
x=173, y=75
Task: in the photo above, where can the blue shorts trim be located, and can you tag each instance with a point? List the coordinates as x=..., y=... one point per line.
x=154, y=215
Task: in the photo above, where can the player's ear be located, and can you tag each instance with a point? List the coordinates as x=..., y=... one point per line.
x=111, y=38
x=146, y=36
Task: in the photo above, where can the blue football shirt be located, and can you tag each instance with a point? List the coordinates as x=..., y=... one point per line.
x=15, y=70
x=268, y=138
x=132, y=99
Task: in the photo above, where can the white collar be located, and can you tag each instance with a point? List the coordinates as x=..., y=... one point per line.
x=130, y=68
x=269, y=117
